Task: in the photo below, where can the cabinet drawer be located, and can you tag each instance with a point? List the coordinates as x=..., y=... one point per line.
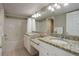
x=35, y=45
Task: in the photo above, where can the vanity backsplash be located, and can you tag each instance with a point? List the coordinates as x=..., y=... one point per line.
x=66, y=36
x=35, y=35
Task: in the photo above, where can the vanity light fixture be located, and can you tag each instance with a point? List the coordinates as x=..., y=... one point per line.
x=49, y=7
x=36, y=15
x=52, y=9
x=39, y=15
x=66, y=4
x=33, y=15
x=57, y=6
x=29, y=18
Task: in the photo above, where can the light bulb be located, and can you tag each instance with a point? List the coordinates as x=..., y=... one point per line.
x=52, y=9
x=33, y=16
x=49, y=7
x=39, y=14
x=55, y=5
x=58, y=6
x=66, y=4
x=29, y=18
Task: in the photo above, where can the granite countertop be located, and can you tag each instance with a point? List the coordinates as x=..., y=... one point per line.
x=35, y=35
x=69, y=45
x=30, y=34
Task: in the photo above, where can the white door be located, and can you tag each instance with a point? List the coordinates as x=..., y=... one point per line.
x=13, y=36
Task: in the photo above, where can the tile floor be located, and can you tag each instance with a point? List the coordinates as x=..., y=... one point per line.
x=18, y=52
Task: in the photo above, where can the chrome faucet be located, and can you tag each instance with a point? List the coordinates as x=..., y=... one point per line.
x=61, y=36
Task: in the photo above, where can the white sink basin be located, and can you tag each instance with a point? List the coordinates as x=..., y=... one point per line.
x=59, y=41
x=56, y=40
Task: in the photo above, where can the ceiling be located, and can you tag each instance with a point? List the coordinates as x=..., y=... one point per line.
x=27, y=9
x=22, y=9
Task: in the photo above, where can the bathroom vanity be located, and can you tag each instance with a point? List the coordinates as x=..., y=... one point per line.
x=27, y=42
x=52, y=46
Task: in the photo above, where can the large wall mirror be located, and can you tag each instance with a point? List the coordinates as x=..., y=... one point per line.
x=67, y=24
x=72, y=23
x=45, y=25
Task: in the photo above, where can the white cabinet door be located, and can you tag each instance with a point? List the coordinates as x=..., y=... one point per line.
x=43, y=49
x=47, y=48
x=27, y=43
x=50, y=50
x=43, y=52
x=55, y=51
x=38, y=46
x=35, y=45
